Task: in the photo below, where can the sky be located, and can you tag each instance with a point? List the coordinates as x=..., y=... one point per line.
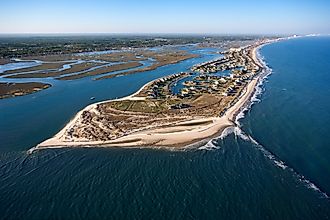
x=166, y=16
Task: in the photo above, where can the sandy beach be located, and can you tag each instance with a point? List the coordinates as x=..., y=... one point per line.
x=176, y=136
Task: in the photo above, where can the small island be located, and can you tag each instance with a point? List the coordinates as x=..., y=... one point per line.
x=19, y=89
x=156, y=116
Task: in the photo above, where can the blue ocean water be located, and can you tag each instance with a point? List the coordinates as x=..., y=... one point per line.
x=277, y=167
x=293, y=118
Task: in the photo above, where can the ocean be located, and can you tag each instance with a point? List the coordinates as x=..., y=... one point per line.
x=276, y=165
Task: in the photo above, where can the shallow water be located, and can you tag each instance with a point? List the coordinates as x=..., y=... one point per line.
x=17, y=65
x=253, y=173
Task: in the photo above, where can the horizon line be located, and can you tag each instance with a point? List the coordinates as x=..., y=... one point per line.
x=150, y=33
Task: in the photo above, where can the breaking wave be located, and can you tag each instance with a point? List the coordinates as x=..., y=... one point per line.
x=255, y=98
x=211, y=145
x=238, y=132
x=279, y=163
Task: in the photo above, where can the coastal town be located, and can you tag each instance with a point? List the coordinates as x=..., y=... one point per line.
x=238, y=61
x=206, y=104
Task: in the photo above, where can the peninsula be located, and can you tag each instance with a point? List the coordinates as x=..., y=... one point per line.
x=156, y=116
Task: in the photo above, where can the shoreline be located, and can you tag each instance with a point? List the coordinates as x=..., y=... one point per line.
x=178, y=136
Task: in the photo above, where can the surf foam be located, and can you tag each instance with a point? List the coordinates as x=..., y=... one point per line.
x=238, y=132
x=209, y=146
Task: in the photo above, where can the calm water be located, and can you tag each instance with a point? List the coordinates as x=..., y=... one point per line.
x=280, y=172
